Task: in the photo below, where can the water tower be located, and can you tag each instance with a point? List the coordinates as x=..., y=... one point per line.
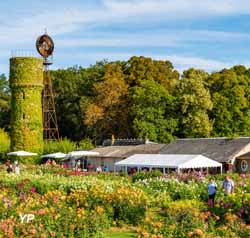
x=26, y=83
x=45, y=47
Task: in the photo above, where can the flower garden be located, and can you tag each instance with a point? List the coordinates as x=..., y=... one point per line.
x=64, y=204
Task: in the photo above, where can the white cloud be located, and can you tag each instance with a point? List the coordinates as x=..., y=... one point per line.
x=185, y=62
x=178, y=9
x=157, y=38
x=20, y=30
x=62, y=20
x=121, y=40
x=180, y=62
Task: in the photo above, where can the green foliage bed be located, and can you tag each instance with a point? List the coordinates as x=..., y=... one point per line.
x=109, y=205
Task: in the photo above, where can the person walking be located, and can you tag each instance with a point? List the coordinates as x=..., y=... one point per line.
x=17, y=169
x=227, y=185
x=212, y=188
x=10, y=168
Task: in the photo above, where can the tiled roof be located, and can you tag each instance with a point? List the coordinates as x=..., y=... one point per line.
x=124, y=142
x=125, y=151
x=220, y=149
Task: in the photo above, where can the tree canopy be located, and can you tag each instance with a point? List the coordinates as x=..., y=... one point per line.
x=146, y=98
x=4, y=102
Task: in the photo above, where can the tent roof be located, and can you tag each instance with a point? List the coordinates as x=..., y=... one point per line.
x=54, y=155
x=21, y=153
x=169, y=161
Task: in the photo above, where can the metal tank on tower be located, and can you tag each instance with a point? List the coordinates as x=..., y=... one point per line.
x=45, y=47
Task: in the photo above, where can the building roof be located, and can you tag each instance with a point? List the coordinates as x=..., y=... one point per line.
x=219, y=149
x=125, y=151
x=244, y=156
x=169, y=161
x=126, y=142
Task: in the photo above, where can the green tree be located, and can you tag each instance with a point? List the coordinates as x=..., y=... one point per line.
x=141, y=68
x=151, y=115
x=73, y=91
x=5, y=141
x=107, y=111
x=230, y=90
x=195, y=103
x=66, y=85
x=4, y=102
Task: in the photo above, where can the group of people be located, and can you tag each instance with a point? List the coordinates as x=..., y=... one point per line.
x=12, y=167
x=227, y=187
x=50, y=162
x=90, y=167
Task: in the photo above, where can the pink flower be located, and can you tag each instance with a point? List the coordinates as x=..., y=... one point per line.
x=32, y=189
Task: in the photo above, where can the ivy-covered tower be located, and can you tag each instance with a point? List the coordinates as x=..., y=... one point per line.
x=26, y=83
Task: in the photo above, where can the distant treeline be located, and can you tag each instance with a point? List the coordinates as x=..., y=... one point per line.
x=146, y=98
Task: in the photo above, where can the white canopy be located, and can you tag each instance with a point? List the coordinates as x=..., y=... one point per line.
x=176, y=161
x=21, y=153
x=57, y=155
x=77, y=154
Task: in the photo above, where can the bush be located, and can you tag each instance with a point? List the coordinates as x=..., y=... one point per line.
x=64, y=146
x=129, y=205
x=85, y=144
x=146, y=175
x=26, y=159
x=122, y=204
x=5, y=143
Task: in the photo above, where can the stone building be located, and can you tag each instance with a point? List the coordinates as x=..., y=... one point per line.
x=228, y=151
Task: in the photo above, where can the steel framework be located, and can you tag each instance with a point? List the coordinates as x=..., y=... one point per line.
x=50, y=126
x=45, y=47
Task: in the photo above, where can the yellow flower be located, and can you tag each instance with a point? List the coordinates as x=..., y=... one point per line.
x=72, y=227
x=172, y=226
x=217, y=218
x=52, y=233
x=190, y=234
x=242, y=225
x=33, y=231
x=99, y=210
x=157, y=224
x=145, y=234
x=199, y=232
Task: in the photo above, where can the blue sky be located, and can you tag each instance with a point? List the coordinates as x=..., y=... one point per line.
x=205, y=34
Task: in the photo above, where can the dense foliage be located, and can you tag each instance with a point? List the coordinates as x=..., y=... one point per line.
x=26, y=82
x=146, y=98
x=4, y=102
x=5, y=143
x=66, y=146
x=88, y=204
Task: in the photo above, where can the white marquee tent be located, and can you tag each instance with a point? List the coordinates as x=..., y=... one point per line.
x=21, y=153
x=169, y=161
x=57, y=155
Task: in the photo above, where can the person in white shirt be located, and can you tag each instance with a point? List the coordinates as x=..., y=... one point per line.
x=17, y=169
x=228, y=185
